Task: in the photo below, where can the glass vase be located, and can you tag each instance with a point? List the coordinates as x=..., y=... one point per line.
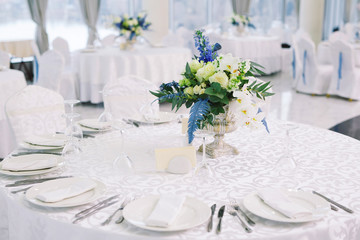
x=128, y=44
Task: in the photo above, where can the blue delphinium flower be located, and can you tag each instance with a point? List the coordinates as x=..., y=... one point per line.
x=207, y=52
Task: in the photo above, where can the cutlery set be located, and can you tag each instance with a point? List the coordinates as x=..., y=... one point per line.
x=220, y=216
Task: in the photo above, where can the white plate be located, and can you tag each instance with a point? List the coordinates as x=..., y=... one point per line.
x=60, y=163
x=164, y=117
x=317, y=205
x=81, y=199
x=47, y=140
x=33, y=146
x=86, y=129
x=193, y=213
x=88, y=50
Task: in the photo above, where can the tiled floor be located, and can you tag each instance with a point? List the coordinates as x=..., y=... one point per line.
x=286, y=104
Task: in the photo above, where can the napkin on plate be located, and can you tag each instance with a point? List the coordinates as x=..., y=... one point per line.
x=92, y=123
x=279, y=201
x=44, y=141
x=165, y=211
x=29, y=164
x=72, y=190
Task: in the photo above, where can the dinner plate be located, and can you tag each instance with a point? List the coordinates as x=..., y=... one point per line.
x=80, y=199
x=193, y=213
x=43, y=146
x=22, y=158
x=163, y=117
x=88, y=50
x=87, y=129
x=317, y=205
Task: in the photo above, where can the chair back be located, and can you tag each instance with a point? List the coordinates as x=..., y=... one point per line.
x=4, y=59
x=51, y=66
x=338, y=36
x=37, y=55
x=34, y=111
x=62, y=46
x=129, y=97
x=307, y=58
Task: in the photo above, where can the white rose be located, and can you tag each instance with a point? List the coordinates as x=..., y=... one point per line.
x=197, y=89
x=205, y=72
x=220, y=77
x=189, y=91
x=229, y=63
x=195, y=65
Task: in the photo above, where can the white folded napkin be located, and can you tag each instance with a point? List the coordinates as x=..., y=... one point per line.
x=29, y=164
x=95, y=124
x=279, y=201
x=45, y=141
x=72, y=190
x=165, y=211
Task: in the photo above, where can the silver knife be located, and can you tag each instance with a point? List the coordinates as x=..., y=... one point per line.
x=85, y=211
x=33, y=181
x=209, y=227
x=78, y=219
x=333, y=202
x=34, y=152
x=220, y=216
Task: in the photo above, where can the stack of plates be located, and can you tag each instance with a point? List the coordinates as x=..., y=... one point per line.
x=44, y=142
x=32, y=164
x=94, y=126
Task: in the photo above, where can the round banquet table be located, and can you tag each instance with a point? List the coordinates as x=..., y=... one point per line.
x=327, y=162
x=11, y=81
x=265, y=51
x=158, y=64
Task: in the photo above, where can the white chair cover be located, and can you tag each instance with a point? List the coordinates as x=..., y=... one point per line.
x=62, y=46
x=296, y=63
x=314, y=77
x=338, y=36
x=52, y=75
x=108, y=40
x=4, y=59
x=129, y=97
x=35, y=110
x=51, y=66
x=345, y=81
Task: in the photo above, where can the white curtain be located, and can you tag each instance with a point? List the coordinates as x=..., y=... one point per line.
x=241, y=7
x=38, y=15
x=333, y=16
x=90, y=12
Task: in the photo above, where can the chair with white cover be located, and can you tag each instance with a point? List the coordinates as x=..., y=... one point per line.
x=129, y=96
x=108, y=40
x=338, y=36
x=345, y=81
x=34, y=111
x=62, y=46
x=4, y=59
x=53, y=76
x=314, y=77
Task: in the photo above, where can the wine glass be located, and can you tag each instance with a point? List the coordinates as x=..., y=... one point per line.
x=74, y=134
x=72, y=103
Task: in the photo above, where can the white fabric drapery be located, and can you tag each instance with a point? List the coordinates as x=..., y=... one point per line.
x=90, y=12
x=241, y=7
x=38, y=15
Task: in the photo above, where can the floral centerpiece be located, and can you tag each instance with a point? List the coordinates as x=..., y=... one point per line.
x=213, y=84
x=131, y=27
x=240, y=22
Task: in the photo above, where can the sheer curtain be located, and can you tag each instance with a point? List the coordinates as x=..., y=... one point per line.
x=90, y=12
x=38, y=15
x=241, y=7
x=333, y=16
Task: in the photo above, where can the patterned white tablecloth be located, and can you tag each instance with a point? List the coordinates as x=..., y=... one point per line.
x=11, y=81
x=327, y=162
x=95, y=69
x=265, y=51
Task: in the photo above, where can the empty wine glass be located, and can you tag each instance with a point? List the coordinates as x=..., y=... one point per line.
x=74, y=134
x=71, y=103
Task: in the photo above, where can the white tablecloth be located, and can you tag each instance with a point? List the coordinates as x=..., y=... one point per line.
x=155, y=64
x=265, y=51
x=327, y=162
x=11, y=81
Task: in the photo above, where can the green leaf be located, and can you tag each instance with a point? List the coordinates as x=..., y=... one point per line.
x=262, y=87
x=212, y=92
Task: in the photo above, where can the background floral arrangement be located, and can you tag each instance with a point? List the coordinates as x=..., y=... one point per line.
x=212, y=82
x=130, y=26
x=237, y=19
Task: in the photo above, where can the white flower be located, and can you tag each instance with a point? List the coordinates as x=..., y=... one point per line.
x=245, y=65
x=195, y=65
x=220, y=77
x=197, y=89
x=125, y=16
x=205, y=72
x=189, y=91
x=228, y=62
x=141, y=15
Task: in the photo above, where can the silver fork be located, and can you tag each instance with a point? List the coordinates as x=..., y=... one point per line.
x=122, y=205
x=234, y=213
x=237, y=207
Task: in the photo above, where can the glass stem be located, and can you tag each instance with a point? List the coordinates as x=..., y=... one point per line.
x=204, y=152
x=122, y=141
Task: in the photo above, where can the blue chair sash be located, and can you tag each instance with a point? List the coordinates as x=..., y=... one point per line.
x=339, y=70
x=304, y=64
x=293, y=63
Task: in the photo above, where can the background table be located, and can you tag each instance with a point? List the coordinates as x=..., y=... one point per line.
x=327, y=162
x=265, y=51
x=17, y=48
x=11, y=81
x=158, y=65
